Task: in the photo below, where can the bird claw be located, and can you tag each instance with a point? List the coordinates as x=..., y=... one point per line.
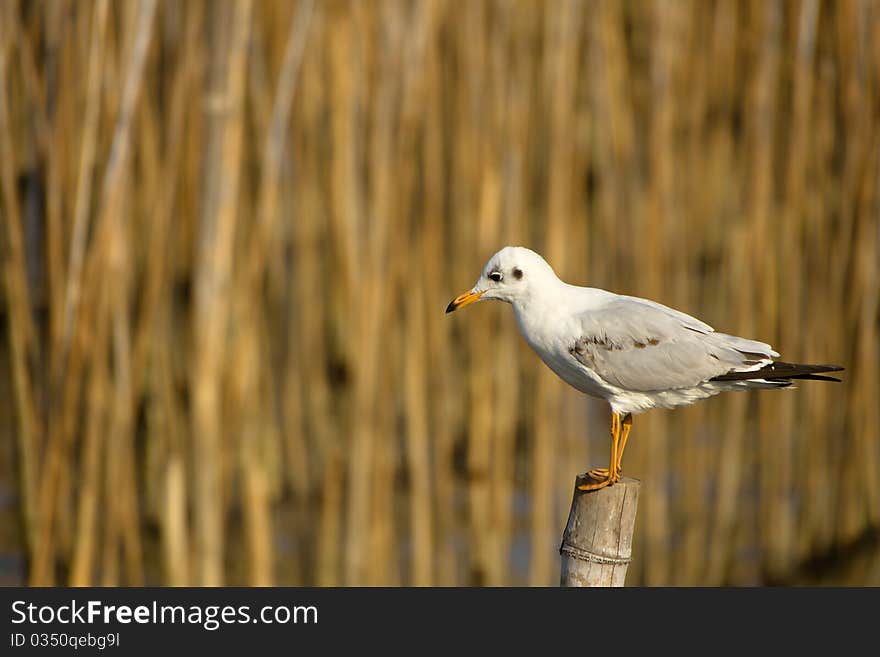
x=597, y=485
x=599, y=474
x=601, y=477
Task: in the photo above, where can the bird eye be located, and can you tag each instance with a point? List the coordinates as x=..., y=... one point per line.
x=496, y=276
x=517, y=273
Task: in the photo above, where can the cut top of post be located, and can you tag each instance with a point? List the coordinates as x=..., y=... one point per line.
x=597, y=543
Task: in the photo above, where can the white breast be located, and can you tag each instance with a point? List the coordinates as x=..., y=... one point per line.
x=549, y=336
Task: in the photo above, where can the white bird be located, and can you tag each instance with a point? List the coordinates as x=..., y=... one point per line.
x=634, y=353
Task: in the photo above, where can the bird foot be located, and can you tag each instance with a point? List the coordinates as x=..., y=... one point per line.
x=601, y=473
x=597, y=485
x=601, y=477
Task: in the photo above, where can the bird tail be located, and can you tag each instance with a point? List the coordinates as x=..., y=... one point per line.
x=782, y=373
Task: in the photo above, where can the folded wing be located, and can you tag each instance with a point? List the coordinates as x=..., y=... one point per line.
x=643, y=346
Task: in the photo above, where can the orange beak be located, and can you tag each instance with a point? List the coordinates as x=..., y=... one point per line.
x=463, y=300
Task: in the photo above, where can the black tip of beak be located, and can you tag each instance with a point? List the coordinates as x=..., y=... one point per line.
x=451, y=307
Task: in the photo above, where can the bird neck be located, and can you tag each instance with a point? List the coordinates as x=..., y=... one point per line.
x=541, y=303
x=554, y=303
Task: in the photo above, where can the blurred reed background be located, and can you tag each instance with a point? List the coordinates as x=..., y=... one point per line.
x=230, y=230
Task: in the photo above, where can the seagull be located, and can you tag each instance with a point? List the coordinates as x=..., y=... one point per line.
x=634, y=353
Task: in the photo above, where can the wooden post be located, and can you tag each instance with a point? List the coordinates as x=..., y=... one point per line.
x=597, y=542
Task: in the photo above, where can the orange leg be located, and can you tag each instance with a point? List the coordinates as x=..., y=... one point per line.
x=601, y=473
x=602, y=476
x=624, y=435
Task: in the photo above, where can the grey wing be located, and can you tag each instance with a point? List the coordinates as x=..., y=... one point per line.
x=646, y=347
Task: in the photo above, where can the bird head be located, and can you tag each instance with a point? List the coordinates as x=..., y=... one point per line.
x=511, y=275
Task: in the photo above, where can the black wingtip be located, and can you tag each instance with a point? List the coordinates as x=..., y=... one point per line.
x=779, y=371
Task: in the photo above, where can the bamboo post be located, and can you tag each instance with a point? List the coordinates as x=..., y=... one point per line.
x=597, y=542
